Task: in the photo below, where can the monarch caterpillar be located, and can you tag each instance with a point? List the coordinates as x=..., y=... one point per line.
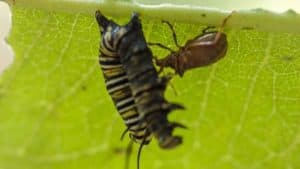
x=203, y=50
x=146, y=87
x=116, y=81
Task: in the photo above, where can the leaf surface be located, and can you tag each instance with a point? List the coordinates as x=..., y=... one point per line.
x=242, y=112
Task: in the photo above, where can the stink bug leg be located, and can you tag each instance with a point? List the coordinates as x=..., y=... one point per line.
x=161, y=68
x=222, y=27
x=161, y=46
x=217, y=36
x=173, y=33
x=206, y=30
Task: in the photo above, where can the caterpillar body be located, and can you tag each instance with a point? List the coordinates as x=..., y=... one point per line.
x=116, y=80
x=147, y=87
x=132, y=80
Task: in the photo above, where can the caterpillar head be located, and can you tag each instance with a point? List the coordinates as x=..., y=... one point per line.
x=112, y=33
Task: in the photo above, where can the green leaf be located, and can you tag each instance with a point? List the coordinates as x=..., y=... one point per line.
x=242, y=112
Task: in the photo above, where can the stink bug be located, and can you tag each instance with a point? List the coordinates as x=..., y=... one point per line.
x=203, y=50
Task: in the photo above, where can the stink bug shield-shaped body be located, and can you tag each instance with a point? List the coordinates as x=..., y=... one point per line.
x=203, y=50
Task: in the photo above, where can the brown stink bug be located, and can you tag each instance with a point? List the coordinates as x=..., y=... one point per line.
x=203, y=50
